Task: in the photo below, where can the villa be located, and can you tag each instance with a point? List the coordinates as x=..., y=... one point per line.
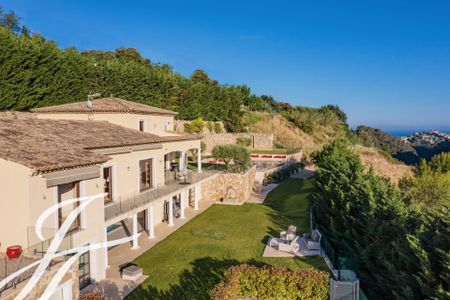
x=126, y=151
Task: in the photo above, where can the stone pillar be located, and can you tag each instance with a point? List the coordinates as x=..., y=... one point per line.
x=167, y=164
x=150, y=222
x=183, y=198
x=181, y=163
x=105, y=249
x=199, y=160
x=135, y=232
x=171, y=211
x=197, y=195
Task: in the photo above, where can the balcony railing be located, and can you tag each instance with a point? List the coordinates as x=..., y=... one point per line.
x=35, y=251
x=128, y=202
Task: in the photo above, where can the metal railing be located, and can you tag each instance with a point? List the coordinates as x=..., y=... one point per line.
x=30, y=255
x=128, y=202
x=341, y=259
x=38, y=248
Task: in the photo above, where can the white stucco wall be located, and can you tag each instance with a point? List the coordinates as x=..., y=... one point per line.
x=25, y=197
x=153, y=123
x=14, y=204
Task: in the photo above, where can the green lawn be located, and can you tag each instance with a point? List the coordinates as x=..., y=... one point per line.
x=188, y=263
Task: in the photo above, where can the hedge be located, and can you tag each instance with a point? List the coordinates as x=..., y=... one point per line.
x=247, y=281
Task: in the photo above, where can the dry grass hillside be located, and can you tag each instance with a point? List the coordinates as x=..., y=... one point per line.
x=287, y=134
x=382, y=164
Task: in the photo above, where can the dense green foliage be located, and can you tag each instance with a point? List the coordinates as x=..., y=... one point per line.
x=238, y=155
x=34, y=72
x=431, y=185
x=247, y=281
x=402, y=245
x=283, y=173
x=195, y=126
x=441, y=162
x=244, y=141
x=192, y=260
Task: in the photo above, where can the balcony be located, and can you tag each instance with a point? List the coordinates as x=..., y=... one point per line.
x=129, y=202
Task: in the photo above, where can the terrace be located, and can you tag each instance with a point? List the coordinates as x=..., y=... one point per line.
x=127, y=205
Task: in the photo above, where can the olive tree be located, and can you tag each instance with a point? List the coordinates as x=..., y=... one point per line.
x=239, y=155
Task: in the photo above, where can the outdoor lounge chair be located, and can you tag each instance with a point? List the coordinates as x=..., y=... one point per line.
x=312, y=240
x=289, y=234
x=285, y=246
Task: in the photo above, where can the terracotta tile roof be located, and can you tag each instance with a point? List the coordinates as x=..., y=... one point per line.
x=49, y=145
x=105, y=105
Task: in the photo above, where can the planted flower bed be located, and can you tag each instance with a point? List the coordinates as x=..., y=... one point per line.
x=247, y=281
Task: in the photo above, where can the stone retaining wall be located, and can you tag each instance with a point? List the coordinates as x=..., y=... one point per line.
x=260, y=141
x=179, y=126
x=230, y=188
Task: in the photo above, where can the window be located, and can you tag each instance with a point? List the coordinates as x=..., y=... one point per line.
x=65, y=192
x=84, y=271
x=146, y=174
x=167, y=126
x=108, y=187
x=142, y=125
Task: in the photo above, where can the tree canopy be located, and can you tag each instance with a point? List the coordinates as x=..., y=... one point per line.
x=35, y=72
x=401, y=245
x=235, y=157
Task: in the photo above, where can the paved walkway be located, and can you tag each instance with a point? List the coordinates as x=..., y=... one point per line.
x=114, y=287
x=260, y=197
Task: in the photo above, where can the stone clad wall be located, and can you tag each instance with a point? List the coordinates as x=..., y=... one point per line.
x=260, y=141
x=44, y=281
x=232, y=188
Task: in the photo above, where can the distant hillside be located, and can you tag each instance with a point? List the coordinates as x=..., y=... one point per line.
x=410, y=150
x=399, y=149
x=382, y=164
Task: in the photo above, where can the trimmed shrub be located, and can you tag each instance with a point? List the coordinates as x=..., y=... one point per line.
x=247, y=281
x=210, y=126
x=218, y=128
x=187, y=128
x=197, y=125
x=244, y=142
x=284, y=173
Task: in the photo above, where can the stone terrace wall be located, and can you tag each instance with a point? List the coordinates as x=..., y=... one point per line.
x=179, y=126
x=260, y=141
x=234, y=188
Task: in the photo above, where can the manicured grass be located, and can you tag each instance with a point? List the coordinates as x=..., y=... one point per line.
x=188, y=263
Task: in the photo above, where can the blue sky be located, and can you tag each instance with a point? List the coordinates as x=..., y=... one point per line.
x=386, y=63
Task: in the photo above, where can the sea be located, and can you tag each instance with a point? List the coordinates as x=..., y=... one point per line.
x=406, y=132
